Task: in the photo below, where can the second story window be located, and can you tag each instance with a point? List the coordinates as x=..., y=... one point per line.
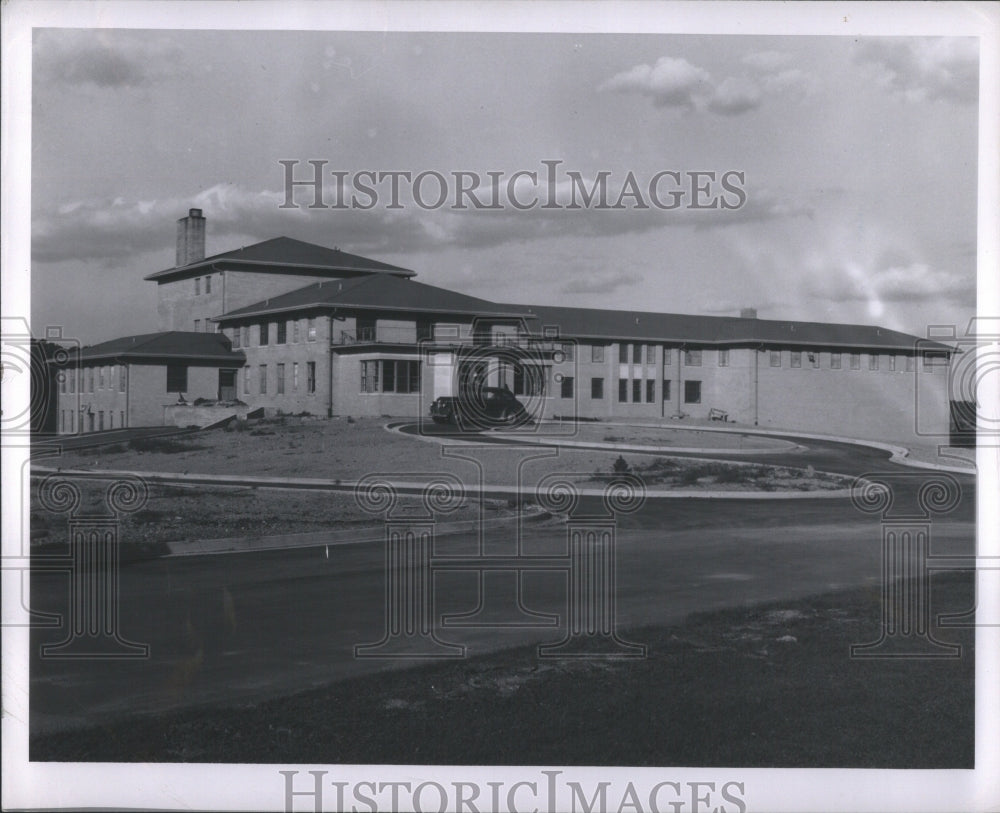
x=197, y=286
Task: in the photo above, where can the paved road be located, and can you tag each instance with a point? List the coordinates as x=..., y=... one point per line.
x=242, y=627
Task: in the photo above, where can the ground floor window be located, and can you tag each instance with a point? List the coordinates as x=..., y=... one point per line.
x=177, y=378
x=692, y=392
x=566, y=387
x=100, y=421
x=650, y=390
x=280, y=378
x=263, y=379
x=666, y=389
x=597, y=388
x=528, y=380
x=796, y=358
x=835, y=361
x=311, y=377
x=637, y=391
x=246, y=380
x=295, y=376
x=623, y=390
x=855, y=361
x=390, y=376
x=121, y=417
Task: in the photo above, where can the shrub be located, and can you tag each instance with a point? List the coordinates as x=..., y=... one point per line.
x=620, y=466
x=689, y=477
x=162, y=445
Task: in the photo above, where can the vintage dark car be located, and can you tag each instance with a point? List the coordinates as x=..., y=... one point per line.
x=480, y=408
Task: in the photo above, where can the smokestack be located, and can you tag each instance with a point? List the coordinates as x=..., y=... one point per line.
x=748, y=313
x=190, y=238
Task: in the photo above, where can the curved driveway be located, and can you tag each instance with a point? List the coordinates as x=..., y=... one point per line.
x=235, y=628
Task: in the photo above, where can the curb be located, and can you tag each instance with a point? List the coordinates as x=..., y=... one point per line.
x=897, y=454
x=410, y=488
x=326, y=539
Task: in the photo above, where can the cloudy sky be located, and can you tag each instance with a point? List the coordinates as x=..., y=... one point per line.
x=858, y=159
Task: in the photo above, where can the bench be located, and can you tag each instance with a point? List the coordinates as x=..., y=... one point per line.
x=718, y=415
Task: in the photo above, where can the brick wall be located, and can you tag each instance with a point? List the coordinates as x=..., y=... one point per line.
x=177, y=304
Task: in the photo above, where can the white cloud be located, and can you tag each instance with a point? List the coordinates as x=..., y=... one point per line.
x=925, y=68
x=675, y=82
x=735, y=95
x=671, y=82
x=109, y=60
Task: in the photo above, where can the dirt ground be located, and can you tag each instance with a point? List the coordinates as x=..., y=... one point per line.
x=348, y=450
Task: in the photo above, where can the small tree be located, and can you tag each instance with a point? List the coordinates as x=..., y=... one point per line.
x=621, y=466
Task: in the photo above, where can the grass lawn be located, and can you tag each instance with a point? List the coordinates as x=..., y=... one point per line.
x=772, y=685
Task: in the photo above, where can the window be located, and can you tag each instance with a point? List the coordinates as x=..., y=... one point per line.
x=311, y=377
x=637, y=390
x=637, y=354
x=909, y=364
x=622, y=353
x=208, y=285
x=246, y=335
x=567, y=349
x=597, y=388
x=369, y=376
x=121, y=419
x=796, y=360
x=813, y=360
x=246, y=380
x=692, y=392
x=692, y=358
x=650, y=354
x=62, y=382
x=872, y=362
x=90, y=379
x=236, y=338
x=295, y=376
x=835, y=361
x=855, y=361
x=111, y=419
x=295, y=331
x=197, y=286
x=262, y=379
x=933, y=359
x=311, y=330
x=667, y=353
x=197, y=325
x=72, y=380
x=666, y=389
x=100, y=421
x=723, y=358
x=122, y=377
x=775, y=358
x=650, y=390
x=263, y=331
x=400, y=376
x=892, y=363
x=623, y=390
x=527, y=380
x=597, y=355
x=282, y=330
x=280, y=379
x=177, y=378
x=566, y=387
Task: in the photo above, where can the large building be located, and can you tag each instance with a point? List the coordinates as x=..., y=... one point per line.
x=291, y=327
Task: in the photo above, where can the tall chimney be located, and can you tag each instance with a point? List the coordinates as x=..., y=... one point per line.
x=190, y=238
x=748, y=313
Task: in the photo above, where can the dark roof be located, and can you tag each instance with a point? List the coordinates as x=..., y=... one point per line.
x=380, y=292
x=715, y=330
x=171, y=344
x=293, y=255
